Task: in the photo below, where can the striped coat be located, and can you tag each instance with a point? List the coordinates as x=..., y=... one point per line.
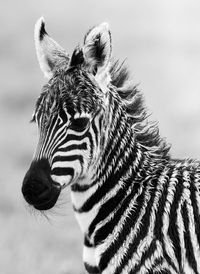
x=138, y=208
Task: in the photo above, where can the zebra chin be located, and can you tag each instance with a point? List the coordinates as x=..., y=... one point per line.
x=38, y=188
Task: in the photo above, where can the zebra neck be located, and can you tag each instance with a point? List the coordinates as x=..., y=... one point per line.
x=117, y=188
x=122, y=163
x=122, y=169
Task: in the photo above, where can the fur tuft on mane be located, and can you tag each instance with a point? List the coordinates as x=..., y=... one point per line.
x=147, y=132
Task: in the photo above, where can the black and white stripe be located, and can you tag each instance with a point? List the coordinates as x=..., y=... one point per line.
x=138, y=208
x=140, y=214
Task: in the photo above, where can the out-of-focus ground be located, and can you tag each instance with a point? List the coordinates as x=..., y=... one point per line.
x=161, y=42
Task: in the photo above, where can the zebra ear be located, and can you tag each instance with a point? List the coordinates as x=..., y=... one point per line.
x=49, y=53
x=97, y=48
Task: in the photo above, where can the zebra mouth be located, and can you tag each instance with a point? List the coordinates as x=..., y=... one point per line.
x=45, y=200
x=62, y=183
x=65, y=185
x=48, y=204
x=48, y=198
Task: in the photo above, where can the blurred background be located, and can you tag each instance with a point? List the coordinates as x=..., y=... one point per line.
x=160, y=41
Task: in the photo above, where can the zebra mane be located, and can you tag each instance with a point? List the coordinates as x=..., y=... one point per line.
x=147, y=132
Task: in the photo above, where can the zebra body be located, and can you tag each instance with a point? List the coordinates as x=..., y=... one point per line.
x=155, y=232
x=138, y=209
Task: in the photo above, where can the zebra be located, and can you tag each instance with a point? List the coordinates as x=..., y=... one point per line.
x=137, y=207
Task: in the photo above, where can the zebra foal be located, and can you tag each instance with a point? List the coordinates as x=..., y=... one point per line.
x=138, y=208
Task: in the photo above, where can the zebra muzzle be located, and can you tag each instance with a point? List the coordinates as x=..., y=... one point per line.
x=38, y=188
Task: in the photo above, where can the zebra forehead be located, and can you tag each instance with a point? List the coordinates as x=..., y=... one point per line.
x=73, y=90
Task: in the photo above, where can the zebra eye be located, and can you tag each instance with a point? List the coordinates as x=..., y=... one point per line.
x=79, y=124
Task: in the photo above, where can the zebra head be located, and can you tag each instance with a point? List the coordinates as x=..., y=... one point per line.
x=70, y=114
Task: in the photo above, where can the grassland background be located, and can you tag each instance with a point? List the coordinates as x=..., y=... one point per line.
x=161, y=42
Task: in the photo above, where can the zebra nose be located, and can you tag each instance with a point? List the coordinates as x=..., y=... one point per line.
x=38, y=188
